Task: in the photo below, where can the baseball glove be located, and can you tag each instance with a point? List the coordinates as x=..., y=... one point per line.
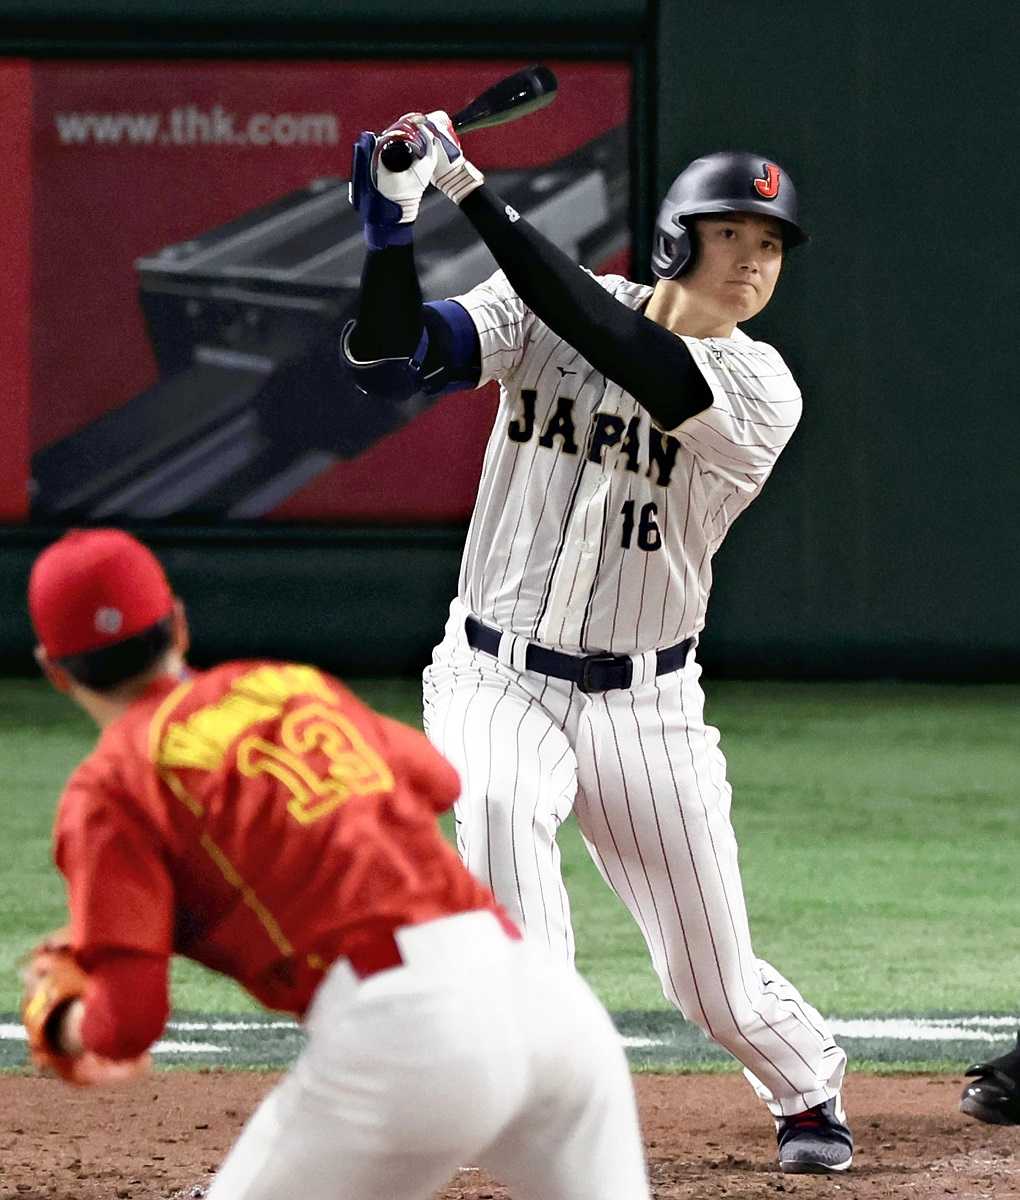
x=52, y=981
x=994, y=1096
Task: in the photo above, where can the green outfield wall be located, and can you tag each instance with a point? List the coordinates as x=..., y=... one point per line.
x=886, y=542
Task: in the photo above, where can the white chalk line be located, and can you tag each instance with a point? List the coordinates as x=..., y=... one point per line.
x=902, y=1029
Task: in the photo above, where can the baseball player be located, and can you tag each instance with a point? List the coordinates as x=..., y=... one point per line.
x=634, y=425
x=260, y=820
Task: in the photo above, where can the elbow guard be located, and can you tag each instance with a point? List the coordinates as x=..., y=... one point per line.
x=446, y=359
x=393, y=379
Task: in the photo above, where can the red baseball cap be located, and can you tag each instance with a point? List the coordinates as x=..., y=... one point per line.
x=94, y=588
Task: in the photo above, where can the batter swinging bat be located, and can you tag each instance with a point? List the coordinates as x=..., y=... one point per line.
x=510, y=99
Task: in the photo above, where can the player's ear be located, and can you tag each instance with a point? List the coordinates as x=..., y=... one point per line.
x=181, y=632
x=55, y=673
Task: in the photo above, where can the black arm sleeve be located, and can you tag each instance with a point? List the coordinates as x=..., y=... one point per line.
x=644, y=358
x=390, y=320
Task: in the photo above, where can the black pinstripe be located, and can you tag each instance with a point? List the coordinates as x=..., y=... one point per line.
x=618, y=607
x=488, y=784
x=715, y=952
x=715, y=856
x=534, y=819
x=636, y=910
x=463, y=732
x=561, y=543
x=603, y=539
x=665, y=588
x=663, y=941
x=484, y=507
x=513, y=813
x=645, y=560
x=683, y=540
x=678, y=992
x=525, y=493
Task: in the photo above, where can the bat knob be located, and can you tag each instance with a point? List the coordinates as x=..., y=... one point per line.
x=395, y=154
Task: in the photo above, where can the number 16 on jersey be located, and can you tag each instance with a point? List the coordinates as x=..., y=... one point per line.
x=648, y=535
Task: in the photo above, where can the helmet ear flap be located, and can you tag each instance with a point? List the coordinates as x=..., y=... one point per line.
x=672, y=253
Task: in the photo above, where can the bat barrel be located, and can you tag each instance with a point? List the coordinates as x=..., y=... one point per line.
x=510, y=99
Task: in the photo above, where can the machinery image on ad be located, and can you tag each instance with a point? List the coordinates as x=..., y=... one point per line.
x=222, y=395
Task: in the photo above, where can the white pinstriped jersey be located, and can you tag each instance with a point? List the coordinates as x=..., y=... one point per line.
x=593, y=529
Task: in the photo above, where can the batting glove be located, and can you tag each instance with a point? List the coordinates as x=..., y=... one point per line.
x=388, y=201
x=454, y=175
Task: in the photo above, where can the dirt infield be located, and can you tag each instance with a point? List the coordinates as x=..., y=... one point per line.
x=706, y=1135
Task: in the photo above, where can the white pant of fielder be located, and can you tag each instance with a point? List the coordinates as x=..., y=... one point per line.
x=478, y=1050
x=646, y=779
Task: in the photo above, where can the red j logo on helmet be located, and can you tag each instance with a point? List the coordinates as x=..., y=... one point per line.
x=767, y=186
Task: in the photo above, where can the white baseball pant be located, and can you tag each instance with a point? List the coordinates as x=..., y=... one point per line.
x=479, y=1050
x=647, y=782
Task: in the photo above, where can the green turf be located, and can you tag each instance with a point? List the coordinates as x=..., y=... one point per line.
x=879, y=828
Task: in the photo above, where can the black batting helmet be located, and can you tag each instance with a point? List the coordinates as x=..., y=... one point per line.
x=730, y=181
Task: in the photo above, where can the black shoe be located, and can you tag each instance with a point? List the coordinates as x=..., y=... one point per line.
x=994, y=1096
x=816, y=1141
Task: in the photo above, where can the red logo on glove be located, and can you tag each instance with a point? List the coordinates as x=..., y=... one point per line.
x=768, y=185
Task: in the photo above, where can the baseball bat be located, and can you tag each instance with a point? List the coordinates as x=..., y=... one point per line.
x=511, y=98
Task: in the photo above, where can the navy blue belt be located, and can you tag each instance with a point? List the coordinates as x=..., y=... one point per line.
x=591, y=672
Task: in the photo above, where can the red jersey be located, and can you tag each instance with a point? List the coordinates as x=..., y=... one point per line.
x=261, y=820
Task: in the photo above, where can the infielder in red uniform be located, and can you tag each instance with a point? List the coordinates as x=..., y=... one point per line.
x=635, y=424
x=260, y=820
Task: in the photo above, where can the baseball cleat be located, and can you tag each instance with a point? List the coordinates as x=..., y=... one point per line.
x=816, y=1141
x=994, y=1096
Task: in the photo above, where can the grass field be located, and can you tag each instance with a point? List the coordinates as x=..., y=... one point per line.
x=879, y=826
